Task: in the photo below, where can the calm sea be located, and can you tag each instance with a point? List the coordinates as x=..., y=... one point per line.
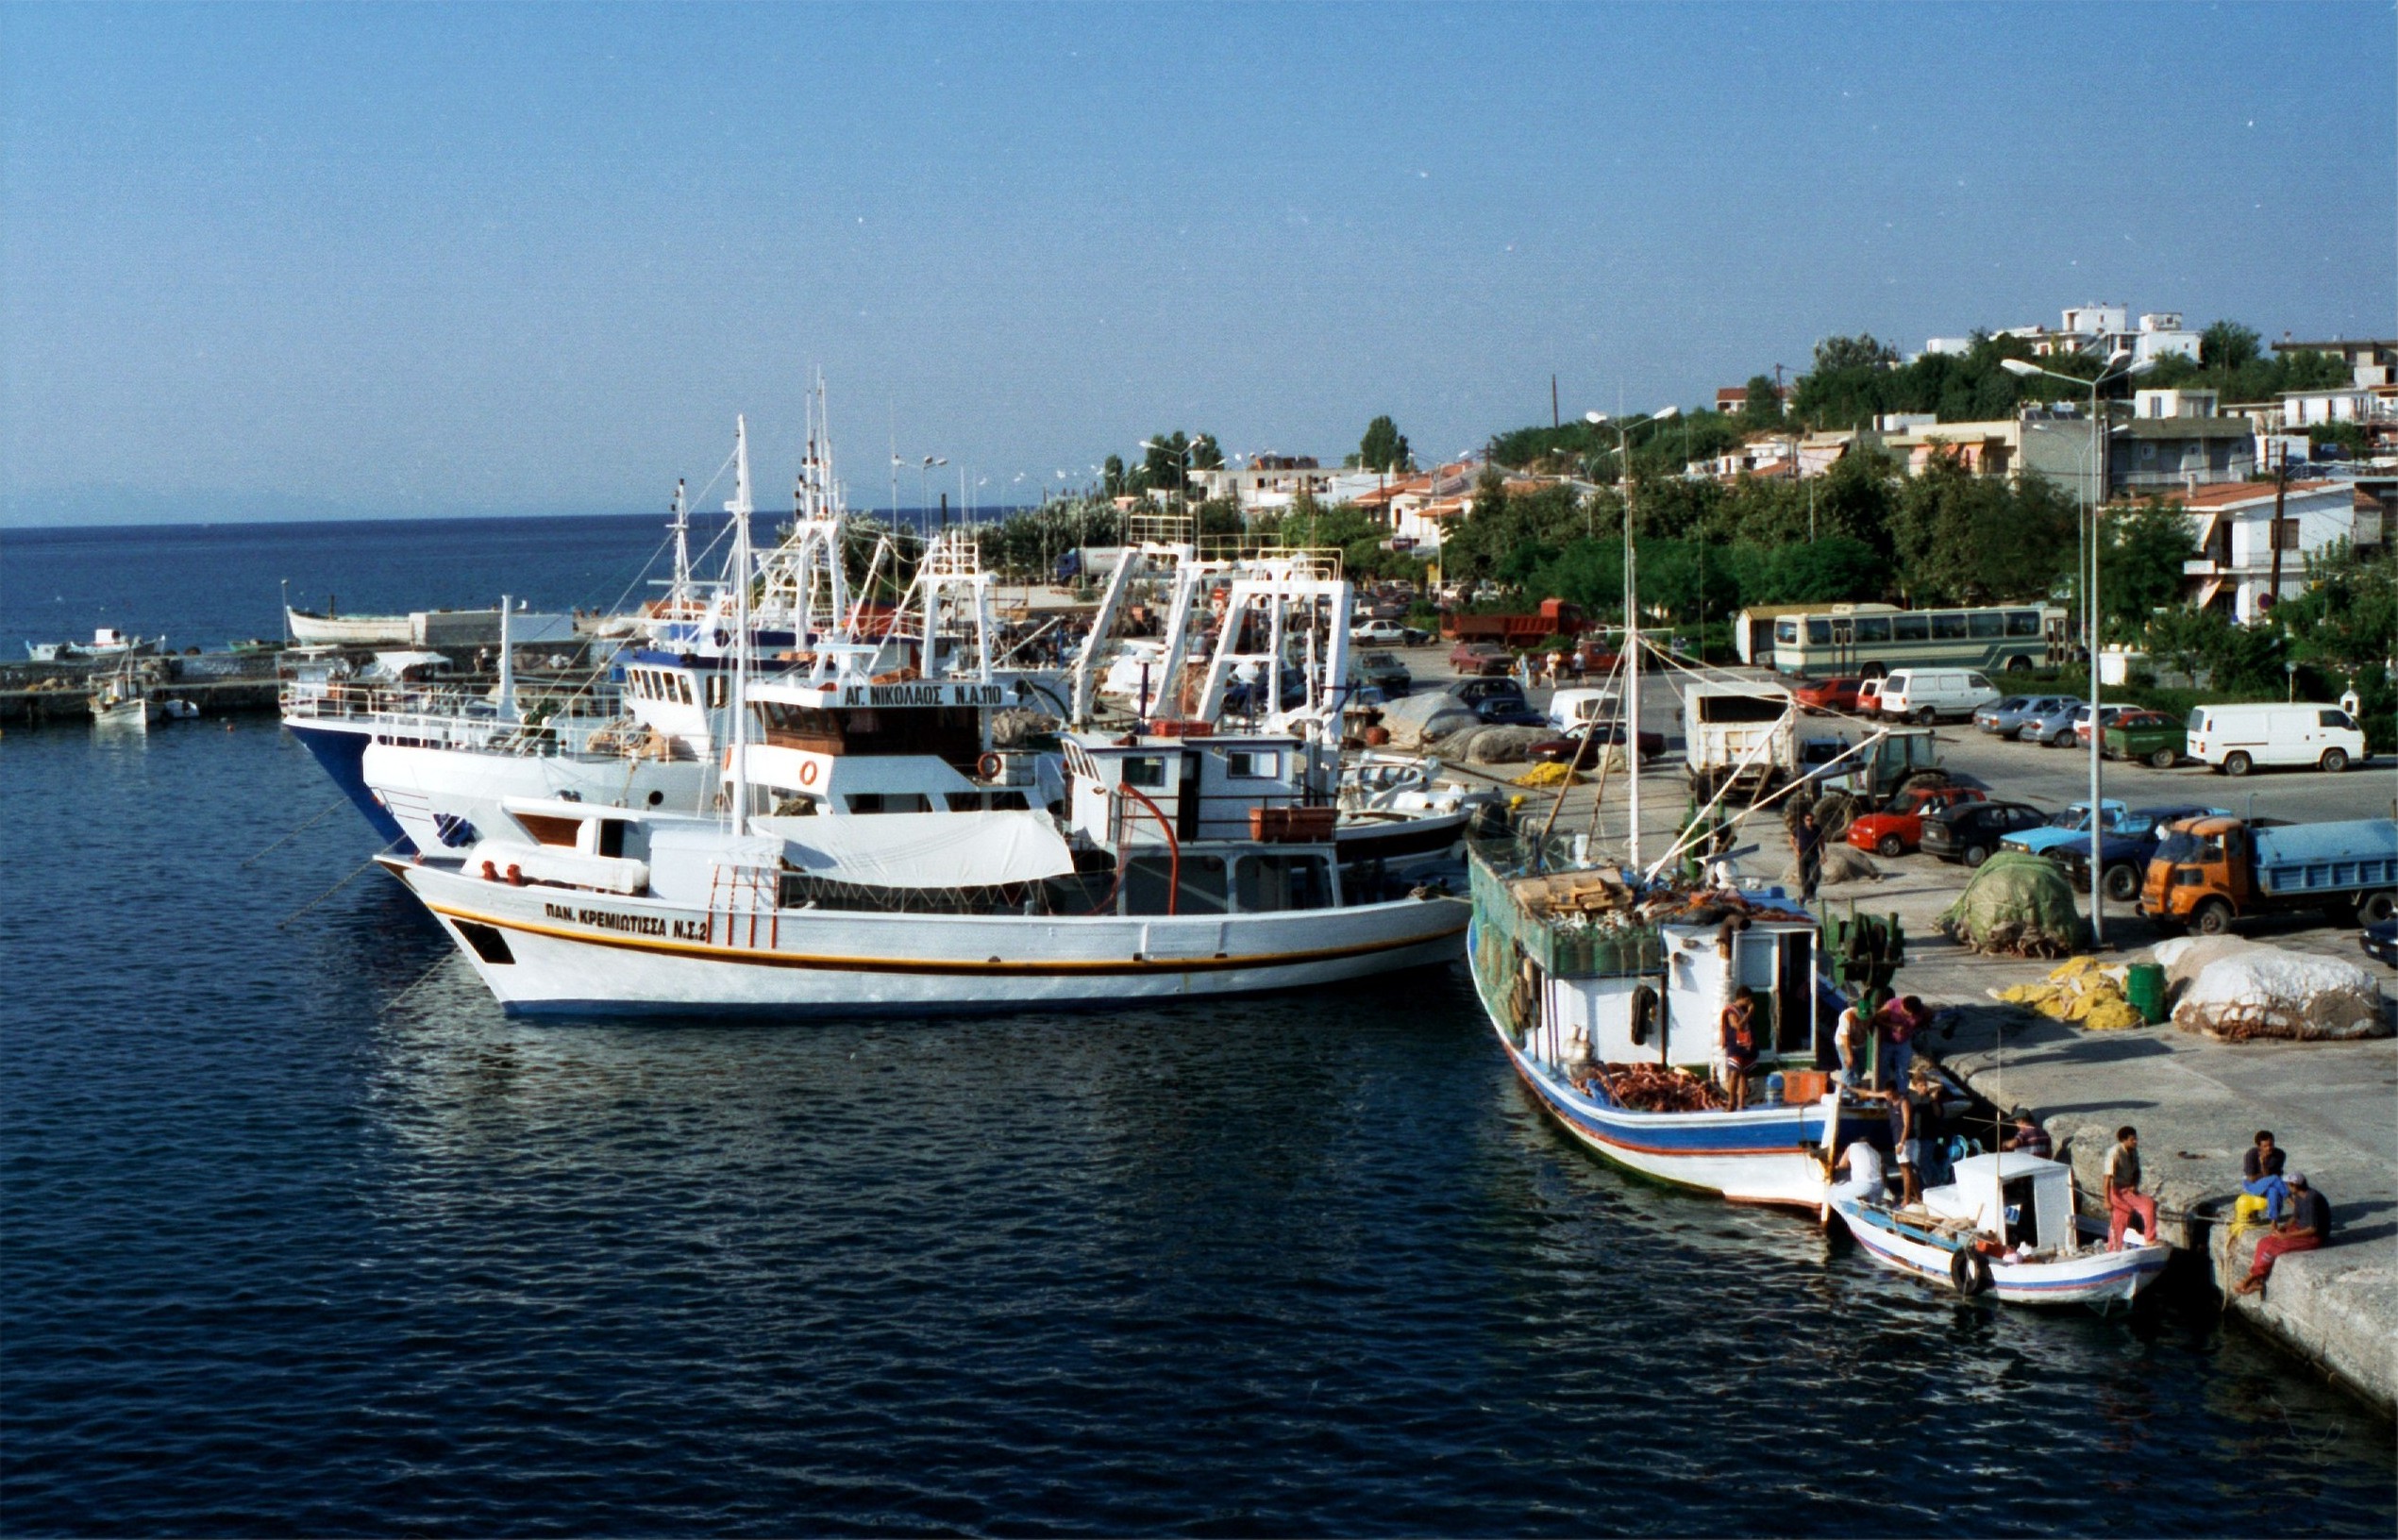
x=300, y=1236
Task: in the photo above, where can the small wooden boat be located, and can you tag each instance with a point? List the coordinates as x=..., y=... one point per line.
x=2004, y=1225
x=123, y=702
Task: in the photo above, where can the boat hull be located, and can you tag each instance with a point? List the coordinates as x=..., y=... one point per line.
x=548, y=950
x=2096, y=1277
x=342, y=752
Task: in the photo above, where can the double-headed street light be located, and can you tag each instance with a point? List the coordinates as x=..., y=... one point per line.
x=2119, y=366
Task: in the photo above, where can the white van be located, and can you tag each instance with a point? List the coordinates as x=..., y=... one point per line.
x=2238, y=739
x=1926, y=694
x=1570, y=708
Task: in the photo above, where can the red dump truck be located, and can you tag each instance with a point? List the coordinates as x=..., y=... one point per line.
x=1555, y=617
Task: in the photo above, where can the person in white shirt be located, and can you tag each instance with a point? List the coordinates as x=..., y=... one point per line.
x=1851, y=1038
x=1863, y=1163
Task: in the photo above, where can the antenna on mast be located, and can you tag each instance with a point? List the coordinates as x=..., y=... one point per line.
x=739, y=509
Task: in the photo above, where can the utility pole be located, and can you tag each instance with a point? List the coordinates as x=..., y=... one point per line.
x=2281, y=492
x=1554, y=422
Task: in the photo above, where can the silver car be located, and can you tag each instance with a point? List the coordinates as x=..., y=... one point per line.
x=2008, y=716
x=2044, y=728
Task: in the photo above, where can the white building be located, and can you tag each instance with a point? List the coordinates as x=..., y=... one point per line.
x=2235, y=527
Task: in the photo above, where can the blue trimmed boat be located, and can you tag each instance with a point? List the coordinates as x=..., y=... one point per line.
x=2004, y=1225
x=1608, y=999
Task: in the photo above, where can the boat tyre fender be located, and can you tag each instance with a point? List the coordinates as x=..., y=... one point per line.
x=988, y=768
x=1969, y=1271
x=1644, y=1014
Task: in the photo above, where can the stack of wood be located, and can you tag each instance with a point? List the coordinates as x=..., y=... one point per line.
x=1572, y=893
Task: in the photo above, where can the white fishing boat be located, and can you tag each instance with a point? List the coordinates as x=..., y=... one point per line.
x=123, y=702
x=877, y=851
x=107, y=643
x=318, y=628
x=2004, y=1225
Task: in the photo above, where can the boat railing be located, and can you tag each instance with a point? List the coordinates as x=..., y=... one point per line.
x=1565, y=945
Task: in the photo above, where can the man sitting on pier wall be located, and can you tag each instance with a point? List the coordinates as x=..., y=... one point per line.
x=2308, y=1228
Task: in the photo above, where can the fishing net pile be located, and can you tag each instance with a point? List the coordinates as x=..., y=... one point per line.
x=2254, y=991
x=2080, y=991
x=1841, y=864
x=2018, y=906
x=1492, y=746
x=1544, y=776
x=1016, y=727
x=1416, y=721
x=1653, y=1088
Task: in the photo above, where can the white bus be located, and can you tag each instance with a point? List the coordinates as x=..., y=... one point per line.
x=1872, y=639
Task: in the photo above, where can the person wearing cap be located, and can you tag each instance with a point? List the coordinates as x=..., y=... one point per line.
x=2124, y=1200
x=2308, y=1228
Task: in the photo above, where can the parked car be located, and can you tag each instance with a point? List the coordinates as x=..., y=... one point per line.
x=1385, y=672
x=1927, y=694
x=2380, y=942
x=2006, y=717
x=2036, y=729
x=2064, y=730
x=1508, y=712
x=2124, y=850
x=2066, y=826
x=1387, y=632
x=2107, y=717
x=1595, y=657
x=1817, y=696
x=1870, y=696
x=2146, y=735
x=1577, y=704
x=1471, y=692
x=1566, y=745
x=2238, y=739
x=1470, y=659
x=1971, y=831
x=1897, y=828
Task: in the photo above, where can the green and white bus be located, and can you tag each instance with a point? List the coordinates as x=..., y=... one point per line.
x=1872, y=639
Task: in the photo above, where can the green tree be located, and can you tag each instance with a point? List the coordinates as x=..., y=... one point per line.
x=1206, y=454
x=2139, y=564
x=2227, y=345
x=1763, y=408
x=1835, y=354
x=1966, y=538
x=1111, y=475
x=1384, y=448
x=1165, y=458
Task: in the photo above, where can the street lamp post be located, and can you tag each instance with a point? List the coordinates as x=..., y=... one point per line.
x=2119, y=366
x=1182, y=473
x=1631, y=615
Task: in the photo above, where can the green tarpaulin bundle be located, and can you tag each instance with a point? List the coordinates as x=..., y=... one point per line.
x=2020, y=905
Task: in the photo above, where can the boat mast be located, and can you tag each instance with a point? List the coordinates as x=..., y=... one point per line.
x=1632, y=664
x=739, y=509
x=679, y=595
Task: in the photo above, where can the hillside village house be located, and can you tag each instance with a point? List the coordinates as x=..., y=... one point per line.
x=2235, y=527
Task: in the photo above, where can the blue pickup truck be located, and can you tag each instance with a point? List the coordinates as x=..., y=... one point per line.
x=2123, y=849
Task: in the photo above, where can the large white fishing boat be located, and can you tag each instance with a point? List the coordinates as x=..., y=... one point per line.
x=107, y=643
x=880, y=850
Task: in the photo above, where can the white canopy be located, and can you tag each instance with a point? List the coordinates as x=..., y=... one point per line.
x=923, y=849
x=390, y=665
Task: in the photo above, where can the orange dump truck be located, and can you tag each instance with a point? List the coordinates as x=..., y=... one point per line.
x=2210, y=873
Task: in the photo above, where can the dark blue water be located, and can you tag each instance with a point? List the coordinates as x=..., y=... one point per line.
x=298, y=1234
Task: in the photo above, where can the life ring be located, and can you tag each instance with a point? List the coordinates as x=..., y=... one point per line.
x=988, y=768
x=1968, y=1271
x=807, y=772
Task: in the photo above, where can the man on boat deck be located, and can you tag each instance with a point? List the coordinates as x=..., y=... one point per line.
x=2029, y=1138
x=1911, y=1108
x=2308, y=1228
x=1898, y=1021
x=1863, y=1163
x=1739, y=1025
x=1808, y=840
x=2124, y=1200
x=1849, y=1038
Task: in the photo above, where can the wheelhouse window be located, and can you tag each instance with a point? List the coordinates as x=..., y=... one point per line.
x=1147, y=771
x=1253, y=764
x=1268, y=884
x=1202, y=889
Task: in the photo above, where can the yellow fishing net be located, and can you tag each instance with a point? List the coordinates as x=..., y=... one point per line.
x=2081, y=989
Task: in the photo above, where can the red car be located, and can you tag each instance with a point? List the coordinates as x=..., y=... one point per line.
x=1470, y=660
x=1818, y=695
x=1899, y=826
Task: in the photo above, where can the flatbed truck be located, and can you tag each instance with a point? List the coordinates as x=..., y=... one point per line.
x=2209, y=873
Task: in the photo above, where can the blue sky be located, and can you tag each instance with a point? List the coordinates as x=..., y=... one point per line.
x=415, y=261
